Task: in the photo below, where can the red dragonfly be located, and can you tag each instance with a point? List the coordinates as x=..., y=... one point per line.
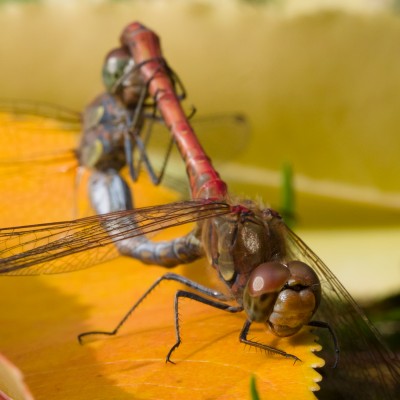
x=271, y=274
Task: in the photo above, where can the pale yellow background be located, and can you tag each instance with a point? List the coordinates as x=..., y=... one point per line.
x=319, y=84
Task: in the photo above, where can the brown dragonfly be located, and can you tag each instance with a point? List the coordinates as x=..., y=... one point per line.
x=270, y=272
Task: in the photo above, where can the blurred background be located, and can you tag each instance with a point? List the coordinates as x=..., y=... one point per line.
x=318, y=82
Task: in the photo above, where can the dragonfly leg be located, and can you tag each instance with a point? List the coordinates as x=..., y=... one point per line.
x=155, y=177
x=243, y=339
x=194, y=296
x=167, y=277
x=325, y=325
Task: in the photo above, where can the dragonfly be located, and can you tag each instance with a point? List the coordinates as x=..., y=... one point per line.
x=270, y=273
x=38, y=145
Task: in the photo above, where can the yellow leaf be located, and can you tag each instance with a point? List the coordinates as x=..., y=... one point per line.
x=41, y=317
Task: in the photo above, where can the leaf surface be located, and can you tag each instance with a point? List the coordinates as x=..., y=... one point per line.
x=41, y=317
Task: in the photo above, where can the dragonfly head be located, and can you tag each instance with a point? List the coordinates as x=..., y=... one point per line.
x=283, y=296
x=120, y=76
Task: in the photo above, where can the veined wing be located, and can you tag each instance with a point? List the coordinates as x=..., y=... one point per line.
x=71, y=245
x=38, y=164
x=366, y=369
x=232, y=129
x=43, y=109
x=35, y=132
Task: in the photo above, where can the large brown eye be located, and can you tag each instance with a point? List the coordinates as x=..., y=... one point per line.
x=303, y=276
x=268, y=277
x=297, y=302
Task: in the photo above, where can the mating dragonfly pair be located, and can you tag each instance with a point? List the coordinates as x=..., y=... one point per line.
x=270, y=273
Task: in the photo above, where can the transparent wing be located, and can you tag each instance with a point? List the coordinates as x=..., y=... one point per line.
x=36, y=131
x=367, y=369
x=37, y=162
x=67, y=246
x=230, y=130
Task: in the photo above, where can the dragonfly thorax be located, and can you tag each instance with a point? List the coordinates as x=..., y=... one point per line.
x=236, y=244
x=234, y=248
x=250, y=255
x=106, y=126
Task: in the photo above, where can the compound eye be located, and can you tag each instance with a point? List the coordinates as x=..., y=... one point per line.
x=114, y=67
x=268, y=277
x=303, y=276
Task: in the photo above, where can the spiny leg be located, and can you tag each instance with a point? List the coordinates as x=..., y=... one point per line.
x=243, y=339
x=325, y=325
x=169, y=277
x=196, y=297
x=156, y=178
x=142, y=144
